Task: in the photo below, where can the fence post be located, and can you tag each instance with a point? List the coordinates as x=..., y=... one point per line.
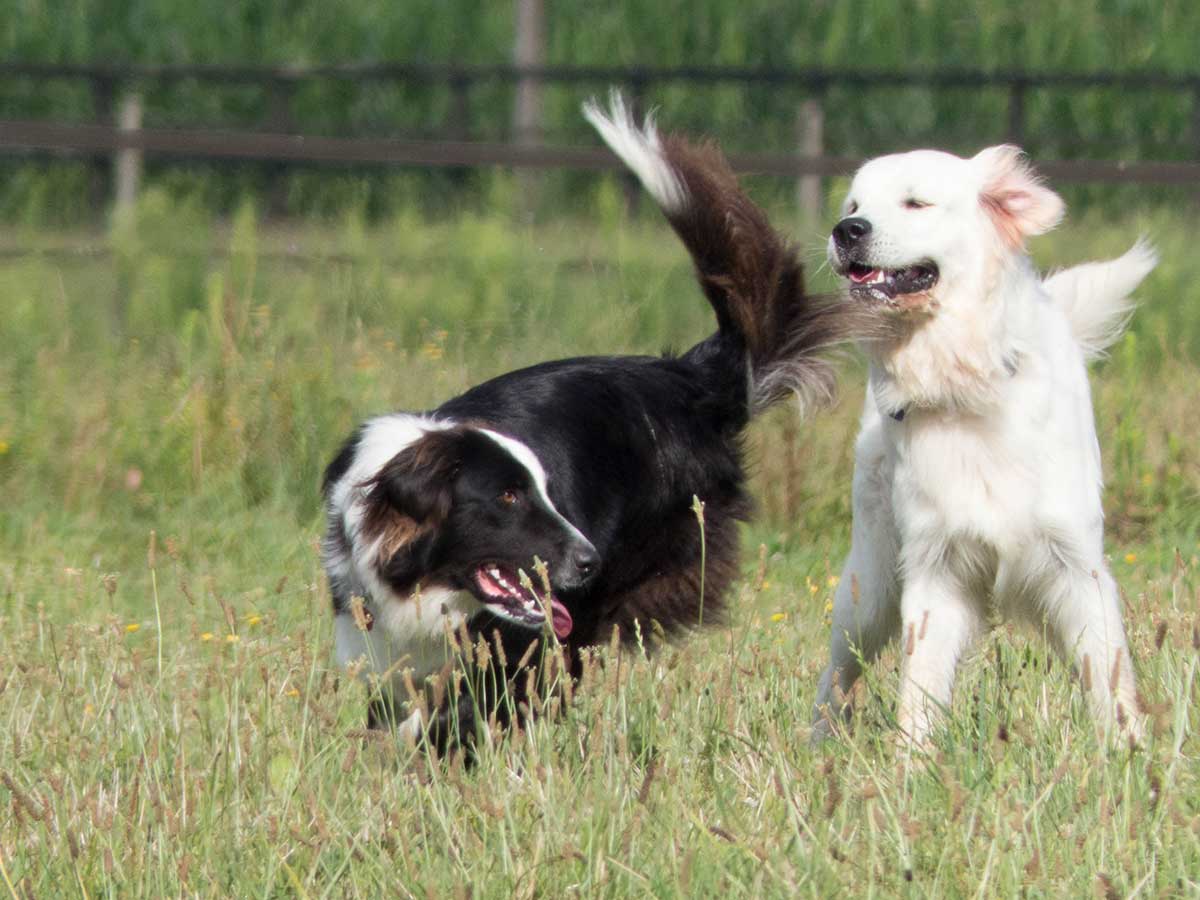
x=529, y=50
x=810, y=141
x=127, y=161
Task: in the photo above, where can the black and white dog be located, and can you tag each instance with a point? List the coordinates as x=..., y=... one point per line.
x=589, y=464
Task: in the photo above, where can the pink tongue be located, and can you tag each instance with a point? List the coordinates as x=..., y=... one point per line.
x=560, y=619
x=859, y=278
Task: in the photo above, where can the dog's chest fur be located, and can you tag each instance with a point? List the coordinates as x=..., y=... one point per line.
x=989, y=492
x=957, y=478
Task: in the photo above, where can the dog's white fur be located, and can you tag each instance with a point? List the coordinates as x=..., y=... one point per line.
x=977, y=476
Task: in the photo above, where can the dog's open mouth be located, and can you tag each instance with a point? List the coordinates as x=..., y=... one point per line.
x=888, y=284
x=501, y=590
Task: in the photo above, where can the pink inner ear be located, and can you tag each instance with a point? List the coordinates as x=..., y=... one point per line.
x=1006, y=224
x=1014, y=198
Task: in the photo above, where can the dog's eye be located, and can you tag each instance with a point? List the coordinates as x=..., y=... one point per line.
x=852, y=208
x=914, y=203
x=508, y=498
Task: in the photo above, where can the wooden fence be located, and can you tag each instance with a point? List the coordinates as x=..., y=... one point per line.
x=116, y=131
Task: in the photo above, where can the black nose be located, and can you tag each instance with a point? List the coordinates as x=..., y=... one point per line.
x=849, y=232
x=586, y=561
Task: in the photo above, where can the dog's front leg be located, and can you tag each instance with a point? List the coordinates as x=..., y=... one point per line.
x=454, y=725
x=1084, y=615
x=866, y=608
x=938, y=625
x=865, y=618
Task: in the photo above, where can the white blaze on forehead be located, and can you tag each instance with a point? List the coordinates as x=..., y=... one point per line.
x=528, y=459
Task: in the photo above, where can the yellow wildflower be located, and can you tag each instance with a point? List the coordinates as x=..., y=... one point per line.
x=1130, y=558
x=132, y=627
x=3, y=447
x=232, y=638
x=253, y=619
x=832, y=581
x=778, y=617
x=206, y=636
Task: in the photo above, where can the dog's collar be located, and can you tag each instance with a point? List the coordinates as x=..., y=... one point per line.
x=1010, y=366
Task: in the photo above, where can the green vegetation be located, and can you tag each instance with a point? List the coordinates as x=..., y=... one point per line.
x=1102, y=34
x=1073, y=36
x=170, y=721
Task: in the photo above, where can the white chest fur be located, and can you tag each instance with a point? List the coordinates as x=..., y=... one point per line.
x=406, y=634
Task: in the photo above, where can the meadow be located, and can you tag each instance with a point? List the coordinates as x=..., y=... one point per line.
x=170, y=719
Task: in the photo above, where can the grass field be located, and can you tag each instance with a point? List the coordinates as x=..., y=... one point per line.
x=170, y=722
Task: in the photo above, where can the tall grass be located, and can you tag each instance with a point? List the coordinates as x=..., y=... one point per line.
x=170, y=721
x=207, y=362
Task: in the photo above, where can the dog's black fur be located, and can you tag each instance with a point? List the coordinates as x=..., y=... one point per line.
x=628, y=442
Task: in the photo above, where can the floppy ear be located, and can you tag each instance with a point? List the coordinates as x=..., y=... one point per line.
x=1013, y=195
x=413, y=492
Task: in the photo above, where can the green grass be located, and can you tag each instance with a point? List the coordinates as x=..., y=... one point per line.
x=171, y=723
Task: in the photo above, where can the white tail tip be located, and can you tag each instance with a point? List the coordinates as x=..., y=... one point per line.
x=640, y=150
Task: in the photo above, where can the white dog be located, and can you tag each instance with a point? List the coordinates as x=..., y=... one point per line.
x=977, y=474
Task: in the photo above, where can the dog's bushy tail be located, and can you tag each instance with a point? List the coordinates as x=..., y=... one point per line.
x=750, y=274
x=1096, y=296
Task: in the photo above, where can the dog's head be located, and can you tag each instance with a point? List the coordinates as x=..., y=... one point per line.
x=466, y=508
x=921, y=229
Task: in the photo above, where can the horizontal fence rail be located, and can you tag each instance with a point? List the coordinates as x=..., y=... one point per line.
x=241, y=145
x=117, y=132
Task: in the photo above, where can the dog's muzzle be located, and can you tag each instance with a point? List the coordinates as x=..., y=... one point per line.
x=853, y=247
